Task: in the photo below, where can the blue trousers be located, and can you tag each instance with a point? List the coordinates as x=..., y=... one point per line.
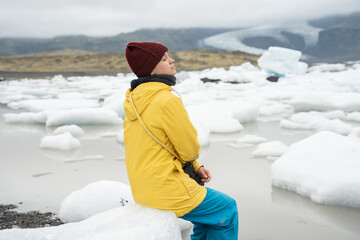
x=215, y=218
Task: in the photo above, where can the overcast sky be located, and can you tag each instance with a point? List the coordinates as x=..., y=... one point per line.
x=49, y=18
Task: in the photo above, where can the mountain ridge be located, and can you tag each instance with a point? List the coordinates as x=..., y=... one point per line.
x=328, y=39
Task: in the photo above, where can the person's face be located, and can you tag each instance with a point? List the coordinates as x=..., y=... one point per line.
x=165, y=66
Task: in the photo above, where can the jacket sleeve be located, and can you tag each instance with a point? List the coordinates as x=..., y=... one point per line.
x=180, y=130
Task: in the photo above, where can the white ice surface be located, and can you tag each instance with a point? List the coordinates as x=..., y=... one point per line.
x=61, y=142
x=83, y=116
x=270, y=149
x=310, y=121
x=282, y=61
x=26, y=117
x=324, y=167
x=132, y=222
x=37, y=105
x=94, y=198
x=354, y=116
x=74, y=130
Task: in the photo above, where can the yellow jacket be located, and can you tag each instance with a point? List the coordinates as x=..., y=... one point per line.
x=156, y=177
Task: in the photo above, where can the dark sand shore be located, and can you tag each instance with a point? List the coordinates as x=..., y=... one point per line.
x=10, y=218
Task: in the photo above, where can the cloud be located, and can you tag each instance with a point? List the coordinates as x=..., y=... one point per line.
x=41, y=18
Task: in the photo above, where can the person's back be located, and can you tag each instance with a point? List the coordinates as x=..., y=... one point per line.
x=153, y=172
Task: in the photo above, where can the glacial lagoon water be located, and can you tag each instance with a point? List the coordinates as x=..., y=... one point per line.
x=40, y=179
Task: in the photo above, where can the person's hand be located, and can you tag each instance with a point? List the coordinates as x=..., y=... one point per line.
x=204, y=174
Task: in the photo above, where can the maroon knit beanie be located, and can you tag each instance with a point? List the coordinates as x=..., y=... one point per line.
x=143, y=57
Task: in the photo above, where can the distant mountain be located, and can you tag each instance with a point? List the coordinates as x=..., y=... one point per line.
x=256, y=40
x=329, y=39
x=327, y=22
x=175, y=39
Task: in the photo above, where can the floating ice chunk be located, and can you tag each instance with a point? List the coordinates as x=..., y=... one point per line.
x=76, y=131
x=214, y=114
x=313, y=122
x=354, y=116
x=189, y=85
x=251, y=139
x=328, y=67
x=247, y=66
x=181, y=76
x=337, y=114
x=324, y=167
x=94, y=198
x=272, y=148
x=37, y=105
x=349, y=101
x=233, y=77
x=115, y=102
x=247, y=141
x=355, y=133
x=246, y=113
x=202, y=130
x=17, y=97
x=311, y=102
x=41, y=92
x=83, y=116
x=274, y=109
x=194, y=98
x=132, y=222
x=26, y=117
x=224, y=125
x=282, y=61
x=70, y=95
x=62, y=142
x=58, y=79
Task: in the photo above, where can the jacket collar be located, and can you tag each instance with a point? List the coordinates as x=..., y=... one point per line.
x=169, y=80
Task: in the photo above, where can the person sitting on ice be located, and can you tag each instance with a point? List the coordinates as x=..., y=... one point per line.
x=155, y=172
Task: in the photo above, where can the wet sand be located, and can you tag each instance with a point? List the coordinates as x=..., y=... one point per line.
x=42, y=179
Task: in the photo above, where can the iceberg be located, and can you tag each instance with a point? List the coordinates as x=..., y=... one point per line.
x=131, y=222
x=311, y=121
x=311, y=102
x=26, y=117
x=94, y=198
x=279, y=61
x=74, y=130
x=270, y=149
x=83, y=116
x=62, y=142
x=323, y=167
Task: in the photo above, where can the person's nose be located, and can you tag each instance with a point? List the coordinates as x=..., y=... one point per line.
x=172, y=60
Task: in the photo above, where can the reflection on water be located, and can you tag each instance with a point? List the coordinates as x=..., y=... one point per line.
x=59, y=155
x=337, y=216
x=41, y=174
